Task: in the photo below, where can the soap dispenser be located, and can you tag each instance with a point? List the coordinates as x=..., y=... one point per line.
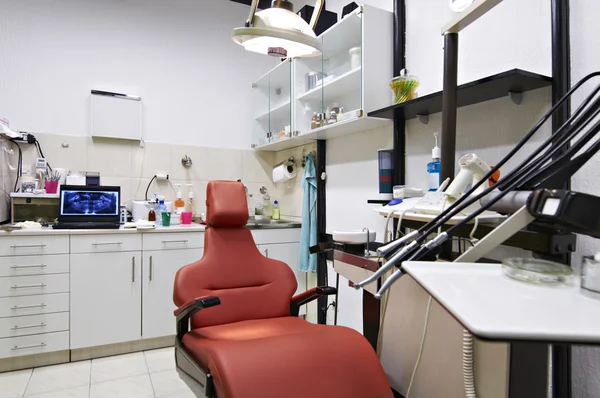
x=434, y=167
x=179, y=203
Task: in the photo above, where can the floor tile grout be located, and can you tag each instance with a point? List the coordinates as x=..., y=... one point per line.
x=148, y=369
x=90, y=384
x=27, y=384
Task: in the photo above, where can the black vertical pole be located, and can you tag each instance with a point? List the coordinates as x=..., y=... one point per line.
x=449, y=105
x=561, y=82
x=399, y=64
x=321, y=231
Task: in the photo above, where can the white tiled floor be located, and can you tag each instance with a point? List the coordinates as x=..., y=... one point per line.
x=150, y=374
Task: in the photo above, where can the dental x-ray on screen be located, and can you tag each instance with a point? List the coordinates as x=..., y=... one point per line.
x=76, y=203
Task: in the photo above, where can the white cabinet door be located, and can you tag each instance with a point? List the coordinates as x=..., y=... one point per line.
x=106, y=292
x=288, y=253
x=158, y=275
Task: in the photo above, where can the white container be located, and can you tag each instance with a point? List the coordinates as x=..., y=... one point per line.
x=355, y=57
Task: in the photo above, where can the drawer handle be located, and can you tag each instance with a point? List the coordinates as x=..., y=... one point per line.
x=27, y=286
x=28, y=266
x=25, y=246
x=16, y=327
x=107, y=244
x=24, y=347
x=175, y=241
x=21, y=307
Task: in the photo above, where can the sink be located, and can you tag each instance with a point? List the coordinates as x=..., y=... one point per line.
x=255, y=224
x=354, y=237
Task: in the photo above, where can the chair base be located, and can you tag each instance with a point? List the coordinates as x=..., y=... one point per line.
x=198, y=379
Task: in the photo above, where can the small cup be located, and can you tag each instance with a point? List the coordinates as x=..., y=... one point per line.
x=51, y=186
x=186, y=217
x=166, y=219
x=590, y=277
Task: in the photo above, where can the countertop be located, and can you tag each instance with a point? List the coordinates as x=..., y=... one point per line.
x=159, y=229
x=493, y=306
x=194, y=227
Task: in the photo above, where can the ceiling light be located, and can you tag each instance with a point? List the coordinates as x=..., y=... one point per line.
x=277, y=31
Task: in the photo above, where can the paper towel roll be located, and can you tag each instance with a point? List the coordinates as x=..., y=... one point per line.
x=284, y=171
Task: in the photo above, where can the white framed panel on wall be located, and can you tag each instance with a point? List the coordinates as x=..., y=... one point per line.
x=115, y=115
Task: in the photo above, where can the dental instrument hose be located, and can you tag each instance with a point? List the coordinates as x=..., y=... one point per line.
x=468, y=360
x=386, y=250
x=564, y=134
x=522, y=175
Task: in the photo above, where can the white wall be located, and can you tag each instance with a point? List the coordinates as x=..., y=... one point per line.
x=585, y=59
x=177, y=55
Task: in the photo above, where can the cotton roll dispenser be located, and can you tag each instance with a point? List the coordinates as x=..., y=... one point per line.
x=285, y=170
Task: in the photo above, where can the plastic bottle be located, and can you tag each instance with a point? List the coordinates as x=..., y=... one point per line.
x=251, y=210
x=434, y=167
x=258, y=209
x=159, y=210
x=267, y=208
x=276, y=211
x=190, y=204
x=151, y=215
x=179, y=203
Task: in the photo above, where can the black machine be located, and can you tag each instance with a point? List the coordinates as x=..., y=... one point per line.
x=89, y=207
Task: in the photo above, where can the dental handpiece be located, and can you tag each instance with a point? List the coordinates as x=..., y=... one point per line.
x=389, y=265
x=388, y=283
x=386, y=250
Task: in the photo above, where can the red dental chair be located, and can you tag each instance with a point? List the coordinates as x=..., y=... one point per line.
x=238, y=331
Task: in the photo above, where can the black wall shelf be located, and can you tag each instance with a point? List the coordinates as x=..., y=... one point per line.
x=378, y=201
x=497, y=86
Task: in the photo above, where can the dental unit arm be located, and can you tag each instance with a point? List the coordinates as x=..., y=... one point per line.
x=472, y=170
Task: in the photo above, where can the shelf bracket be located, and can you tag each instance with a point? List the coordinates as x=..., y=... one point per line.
x=516, y=97
x=423, y=119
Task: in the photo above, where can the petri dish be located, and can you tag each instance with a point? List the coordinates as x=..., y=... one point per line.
x=536, y=271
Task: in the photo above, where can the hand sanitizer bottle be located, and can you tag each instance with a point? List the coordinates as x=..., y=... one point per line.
x=434, y=167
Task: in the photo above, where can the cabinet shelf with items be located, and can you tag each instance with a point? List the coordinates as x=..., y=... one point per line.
x=332, y=94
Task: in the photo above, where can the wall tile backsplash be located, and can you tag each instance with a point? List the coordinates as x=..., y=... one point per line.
x=125, y=164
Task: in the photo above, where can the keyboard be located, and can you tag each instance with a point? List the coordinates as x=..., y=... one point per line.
x=87, y=225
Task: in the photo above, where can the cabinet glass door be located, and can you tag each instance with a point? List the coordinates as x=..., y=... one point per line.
x=272, y=96
x=260, y=110
x=308, y=90
x=342, y=68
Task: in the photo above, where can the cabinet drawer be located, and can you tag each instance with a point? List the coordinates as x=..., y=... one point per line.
x=37, y=284
x=34, y=344
x=103, y=243
x=20, y=245
x=34, y=265
x=33, y=305
x=34, y=324
x=282, y=235
x=173, y=240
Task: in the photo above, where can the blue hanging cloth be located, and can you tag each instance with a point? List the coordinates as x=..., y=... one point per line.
x=308, y=237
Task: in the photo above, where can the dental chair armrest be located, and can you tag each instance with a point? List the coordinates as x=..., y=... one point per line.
x=189, y=308
x=300, y=299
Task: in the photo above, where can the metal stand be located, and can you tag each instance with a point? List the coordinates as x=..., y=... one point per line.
x=508, y=228
x=449, y=105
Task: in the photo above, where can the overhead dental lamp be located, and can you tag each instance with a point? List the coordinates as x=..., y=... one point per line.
x=279, y=32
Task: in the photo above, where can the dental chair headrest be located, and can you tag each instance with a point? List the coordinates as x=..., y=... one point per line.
x=226, y=204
